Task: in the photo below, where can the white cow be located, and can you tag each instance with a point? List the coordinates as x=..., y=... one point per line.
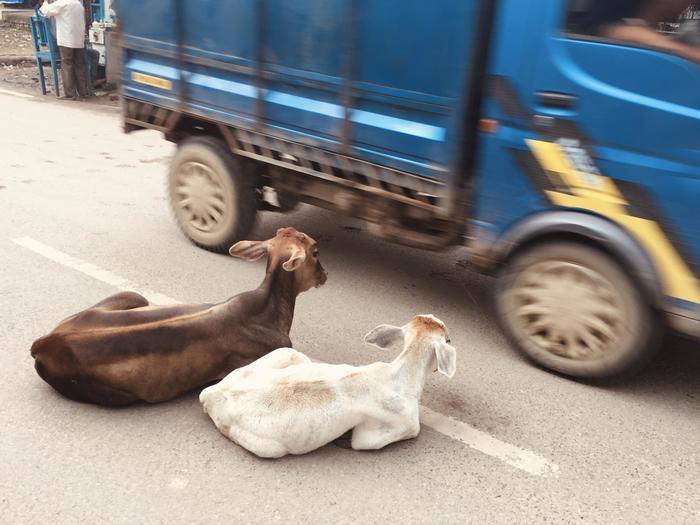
x=285, y=404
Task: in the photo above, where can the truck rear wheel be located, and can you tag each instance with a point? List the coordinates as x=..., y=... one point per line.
x=570, y=307
x=214, y=203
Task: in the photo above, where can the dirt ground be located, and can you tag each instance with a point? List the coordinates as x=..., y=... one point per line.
x=15, y=41
x=17, y=67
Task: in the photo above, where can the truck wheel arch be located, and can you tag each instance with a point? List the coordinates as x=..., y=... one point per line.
x=587, y=228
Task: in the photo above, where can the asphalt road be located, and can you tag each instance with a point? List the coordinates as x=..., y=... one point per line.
x=76, y=192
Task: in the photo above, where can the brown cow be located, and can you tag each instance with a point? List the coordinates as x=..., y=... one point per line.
x=122, y=349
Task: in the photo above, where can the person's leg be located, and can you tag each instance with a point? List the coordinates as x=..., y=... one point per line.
x=79, y=61
x=68, y=71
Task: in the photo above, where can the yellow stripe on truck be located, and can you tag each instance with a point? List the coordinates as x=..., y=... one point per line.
x=150, y=80
x=600, y=194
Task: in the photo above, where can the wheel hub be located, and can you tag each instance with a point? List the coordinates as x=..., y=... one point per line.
x=200, y=194
x=568, y=310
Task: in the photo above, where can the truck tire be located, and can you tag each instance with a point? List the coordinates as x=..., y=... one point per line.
x=214, y=202
x=571, y=308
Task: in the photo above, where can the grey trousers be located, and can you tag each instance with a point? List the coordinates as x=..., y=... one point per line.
x=73, y=71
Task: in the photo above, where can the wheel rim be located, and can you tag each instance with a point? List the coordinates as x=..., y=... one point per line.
x=568, y=310
x=200, y=197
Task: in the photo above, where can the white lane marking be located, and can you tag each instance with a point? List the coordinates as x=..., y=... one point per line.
x=15, y=93
x=479, y=440
x=92, y=270
x=517, y=457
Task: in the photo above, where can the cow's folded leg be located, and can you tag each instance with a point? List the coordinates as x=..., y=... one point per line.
x=374, y=434
x=86, y=389
x=122, y=301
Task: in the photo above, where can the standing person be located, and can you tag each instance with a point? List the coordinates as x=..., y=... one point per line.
x=70, y=34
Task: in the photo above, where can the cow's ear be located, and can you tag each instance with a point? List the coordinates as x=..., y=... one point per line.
x=446, y=357
x=385, y=335
x=249, y=250
x=296, y=259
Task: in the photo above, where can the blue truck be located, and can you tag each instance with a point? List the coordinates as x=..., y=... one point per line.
x=564, y=159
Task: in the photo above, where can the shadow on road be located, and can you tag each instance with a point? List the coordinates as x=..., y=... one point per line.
x=673, y=377
x=347, y=248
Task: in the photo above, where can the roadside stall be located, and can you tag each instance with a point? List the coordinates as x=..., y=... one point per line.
x=100, y=32
x=99, y=21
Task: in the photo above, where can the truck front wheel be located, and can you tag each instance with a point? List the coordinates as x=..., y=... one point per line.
x=214, y=203
x=571, y=308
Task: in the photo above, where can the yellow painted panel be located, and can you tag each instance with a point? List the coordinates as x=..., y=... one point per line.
x=150, y=80
x=676, y=277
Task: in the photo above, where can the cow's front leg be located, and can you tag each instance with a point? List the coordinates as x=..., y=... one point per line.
x=374, y=434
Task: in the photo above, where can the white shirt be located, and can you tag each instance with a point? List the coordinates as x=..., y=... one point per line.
x=70, y=22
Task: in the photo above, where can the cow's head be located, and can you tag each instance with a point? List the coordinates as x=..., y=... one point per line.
x=295, y=251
